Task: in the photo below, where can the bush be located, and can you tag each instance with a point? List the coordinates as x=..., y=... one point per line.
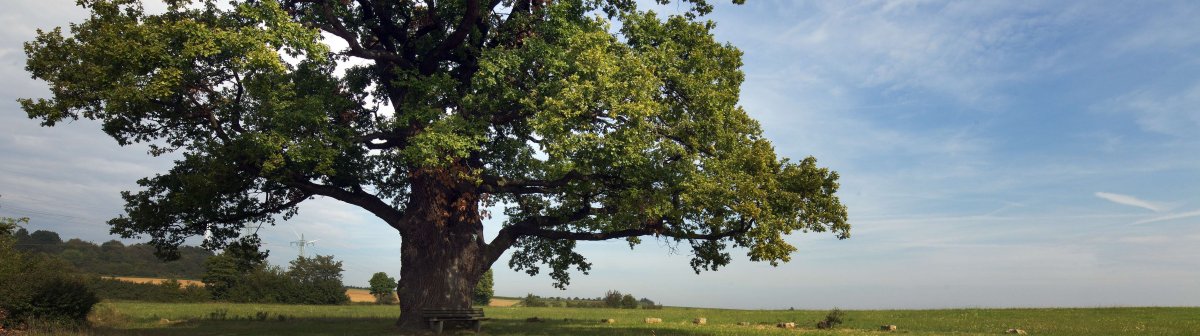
x=628, y=302
x=169, y=291
x=832, y=319
x=315, y=280
x=318, y=280
x=533, y=301
x=63, y=299
x=39, y=290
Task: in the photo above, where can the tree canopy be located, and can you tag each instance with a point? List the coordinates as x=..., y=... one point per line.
x=583, y=119
x=383, y=288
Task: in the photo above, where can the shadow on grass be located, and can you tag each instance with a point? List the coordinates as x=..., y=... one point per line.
x=384, y=326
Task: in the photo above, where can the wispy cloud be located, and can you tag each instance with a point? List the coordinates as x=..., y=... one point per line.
x=1181, y=215
x=1162, y=111
x=966, y=52
x=1129, y=200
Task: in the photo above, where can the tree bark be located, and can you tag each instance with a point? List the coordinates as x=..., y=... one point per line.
x=441, y=255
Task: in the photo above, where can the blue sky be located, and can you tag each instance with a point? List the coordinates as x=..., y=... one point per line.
x=992, y=154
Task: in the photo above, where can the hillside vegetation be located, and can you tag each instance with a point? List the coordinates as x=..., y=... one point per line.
x=114, y=258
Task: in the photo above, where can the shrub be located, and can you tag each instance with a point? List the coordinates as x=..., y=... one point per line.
x=38, y=290
x=63, y=299
x=169, y=291
x=628, y=302
x=832, y=319
x=533, y=301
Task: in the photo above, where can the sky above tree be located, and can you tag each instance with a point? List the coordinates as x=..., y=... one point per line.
x=992, y=154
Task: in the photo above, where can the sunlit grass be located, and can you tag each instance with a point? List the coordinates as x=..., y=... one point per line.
x=140, y=318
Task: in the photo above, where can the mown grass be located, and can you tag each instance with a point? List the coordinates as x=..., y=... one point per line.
x=137, y=318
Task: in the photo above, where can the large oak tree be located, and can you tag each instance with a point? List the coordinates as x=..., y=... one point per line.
x=583, y=119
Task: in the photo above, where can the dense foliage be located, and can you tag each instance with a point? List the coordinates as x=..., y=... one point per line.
x=383, y=288
x=113, y=258
x=167, y=291
x=37, y=287
x=316, y=280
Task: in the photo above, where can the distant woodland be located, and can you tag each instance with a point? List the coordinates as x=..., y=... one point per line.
x=113, y=257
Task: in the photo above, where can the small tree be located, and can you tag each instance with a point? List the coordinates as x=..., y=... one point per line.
x=628, y=302
x=220, y=274
x=612, y=299
x=319, y=280
x=646, y=303
x=383, y=287
x=483, y=289
x=9, y=226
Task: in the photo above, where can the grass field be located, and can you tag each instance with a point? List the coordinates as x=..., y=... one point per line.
x=137, y=318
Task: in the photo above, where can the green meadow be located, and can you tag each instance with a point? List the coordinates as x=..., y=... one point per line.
x=139, y=318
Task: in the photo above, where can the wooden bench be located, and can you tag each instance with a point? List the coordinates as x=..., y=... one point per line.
x=437, y=317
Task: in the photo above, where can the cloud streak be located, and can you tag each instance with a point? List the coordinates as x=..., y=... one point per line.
x=1129, y=200
x=1188, y=214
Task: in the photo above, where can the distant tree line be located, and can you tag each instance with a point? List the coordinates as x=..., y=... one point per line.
x=611, y=299
x=113, y=257
x=240, y=274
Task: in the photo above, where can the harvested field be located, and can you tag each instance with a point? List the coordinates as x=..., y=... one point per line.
x=360, y=295
x=498, y=302
x=157, y=281
x=356, y=295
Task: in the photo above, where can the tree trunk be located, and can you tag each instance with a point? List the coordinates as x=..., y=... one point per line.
x=441, y=255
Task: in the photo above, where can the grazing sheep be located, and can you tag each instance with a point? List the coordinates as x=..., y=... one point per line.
x=888, y=327
x=786, y=325
x=700, y=321
x=1015, y=331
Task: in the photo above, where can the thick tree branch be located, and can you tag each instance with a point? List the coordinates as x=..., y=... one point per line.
x=470, y=16
x=264, y=212
x=537, y=227
x=592, y=236
x=334, y=26
x=498, y=185
x=391, y=139
x=371, y=203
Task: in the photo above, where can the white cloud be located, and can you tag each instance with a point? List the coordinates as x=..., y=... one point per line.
x=1130, y=201
x=1189, y=214
x=965, y=51
x=1172, y=113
